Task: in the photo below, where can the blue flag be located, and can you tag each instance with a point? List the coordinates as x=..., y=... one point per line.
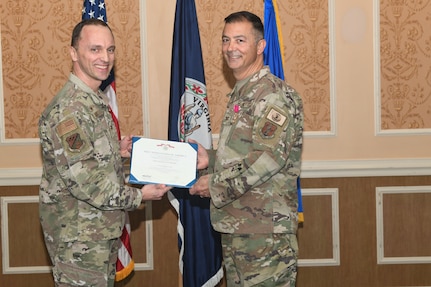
x=273, y=57
x=200, y=246
x=94, y=9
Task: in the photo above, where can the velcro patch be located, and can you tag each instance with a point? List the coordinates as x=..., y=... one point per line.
x=276, y=117
x=74, y=141
x=66, y=127
x=268, y=129
x=271, y=125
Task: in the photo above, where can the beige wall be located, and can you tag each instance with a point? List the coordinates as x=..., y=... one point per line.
x=352, y=139
x=348, y=173
x=159, y=48
x=354, y=135
x=356, y=80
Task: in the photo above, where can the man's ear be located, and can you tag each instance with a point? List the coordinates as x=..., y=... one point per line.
x=261, y=46
x=73, y=54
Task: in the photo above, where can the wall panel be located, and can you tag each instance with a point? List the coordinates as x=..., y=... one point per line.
x=352, y=49
x=23, y=250
x=322, y=224
x=358, y=222
x=403, y=215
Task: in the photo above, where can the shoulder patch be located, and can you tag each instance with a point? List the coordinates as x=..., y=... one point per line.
x=74, y=141
x=271, y=125
x=268, y=129
x=276, y=117
x=66, y=127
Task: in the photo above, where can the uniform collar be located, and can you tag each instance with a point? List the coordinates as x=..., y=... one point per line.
x=252, y=78
x=82, y=86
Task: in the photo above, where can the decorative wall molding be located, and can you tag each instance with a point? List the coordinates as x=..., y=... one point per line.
x=7, y=269
x=2, y=126
x=335, y=260
x=310, y=169
x=144, y=71
x=20, y=176
x=381, y=259
x=377, y=85
x=4, y=141
x=149, y=264
x=332, y=79
x=363, y=168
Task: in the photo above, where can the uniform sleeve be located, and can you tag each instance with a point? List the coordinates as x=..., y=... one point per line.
x=274, y=131
x=211, y=159
x=87, y=157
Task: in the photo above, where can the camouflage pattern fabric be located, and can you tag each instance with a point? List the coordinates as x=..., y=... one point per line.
x=264, y=260
x=82, y=195
x=86, y=264
x=254, y=182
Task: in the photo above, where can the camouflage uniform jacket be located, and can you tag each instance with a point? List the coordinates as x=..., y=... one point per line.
x=253, y=187
x=82, y=195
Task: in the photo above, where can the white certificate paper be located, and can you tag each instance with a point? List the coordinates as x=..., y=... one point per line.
x=159, y=161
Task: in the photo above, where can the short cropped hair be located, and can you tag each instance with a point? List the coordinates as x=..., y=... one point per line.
x=76, y=33
x=245, y=16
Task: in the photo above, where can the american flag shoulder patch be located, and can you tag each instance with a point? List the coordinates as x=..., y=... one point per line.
x=66, y=126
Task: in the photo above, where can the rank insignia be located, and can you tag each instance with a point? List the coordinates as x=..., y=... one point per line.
x=276, y=117
x=74, y=141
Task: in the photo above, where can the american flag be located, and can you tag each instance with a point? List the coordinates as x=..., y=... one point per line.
x=125, y=264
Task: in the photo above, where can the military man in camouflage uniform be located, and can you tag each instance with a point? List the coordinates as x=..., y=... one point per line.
x=252, y=178
x=83, y=195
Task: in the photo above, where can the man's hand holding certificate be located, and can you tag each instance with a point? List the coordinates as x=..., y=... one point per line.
x=159, y=161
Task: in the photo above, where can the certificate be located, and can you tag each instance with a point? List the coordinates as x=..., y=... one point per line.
x=159, y=161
